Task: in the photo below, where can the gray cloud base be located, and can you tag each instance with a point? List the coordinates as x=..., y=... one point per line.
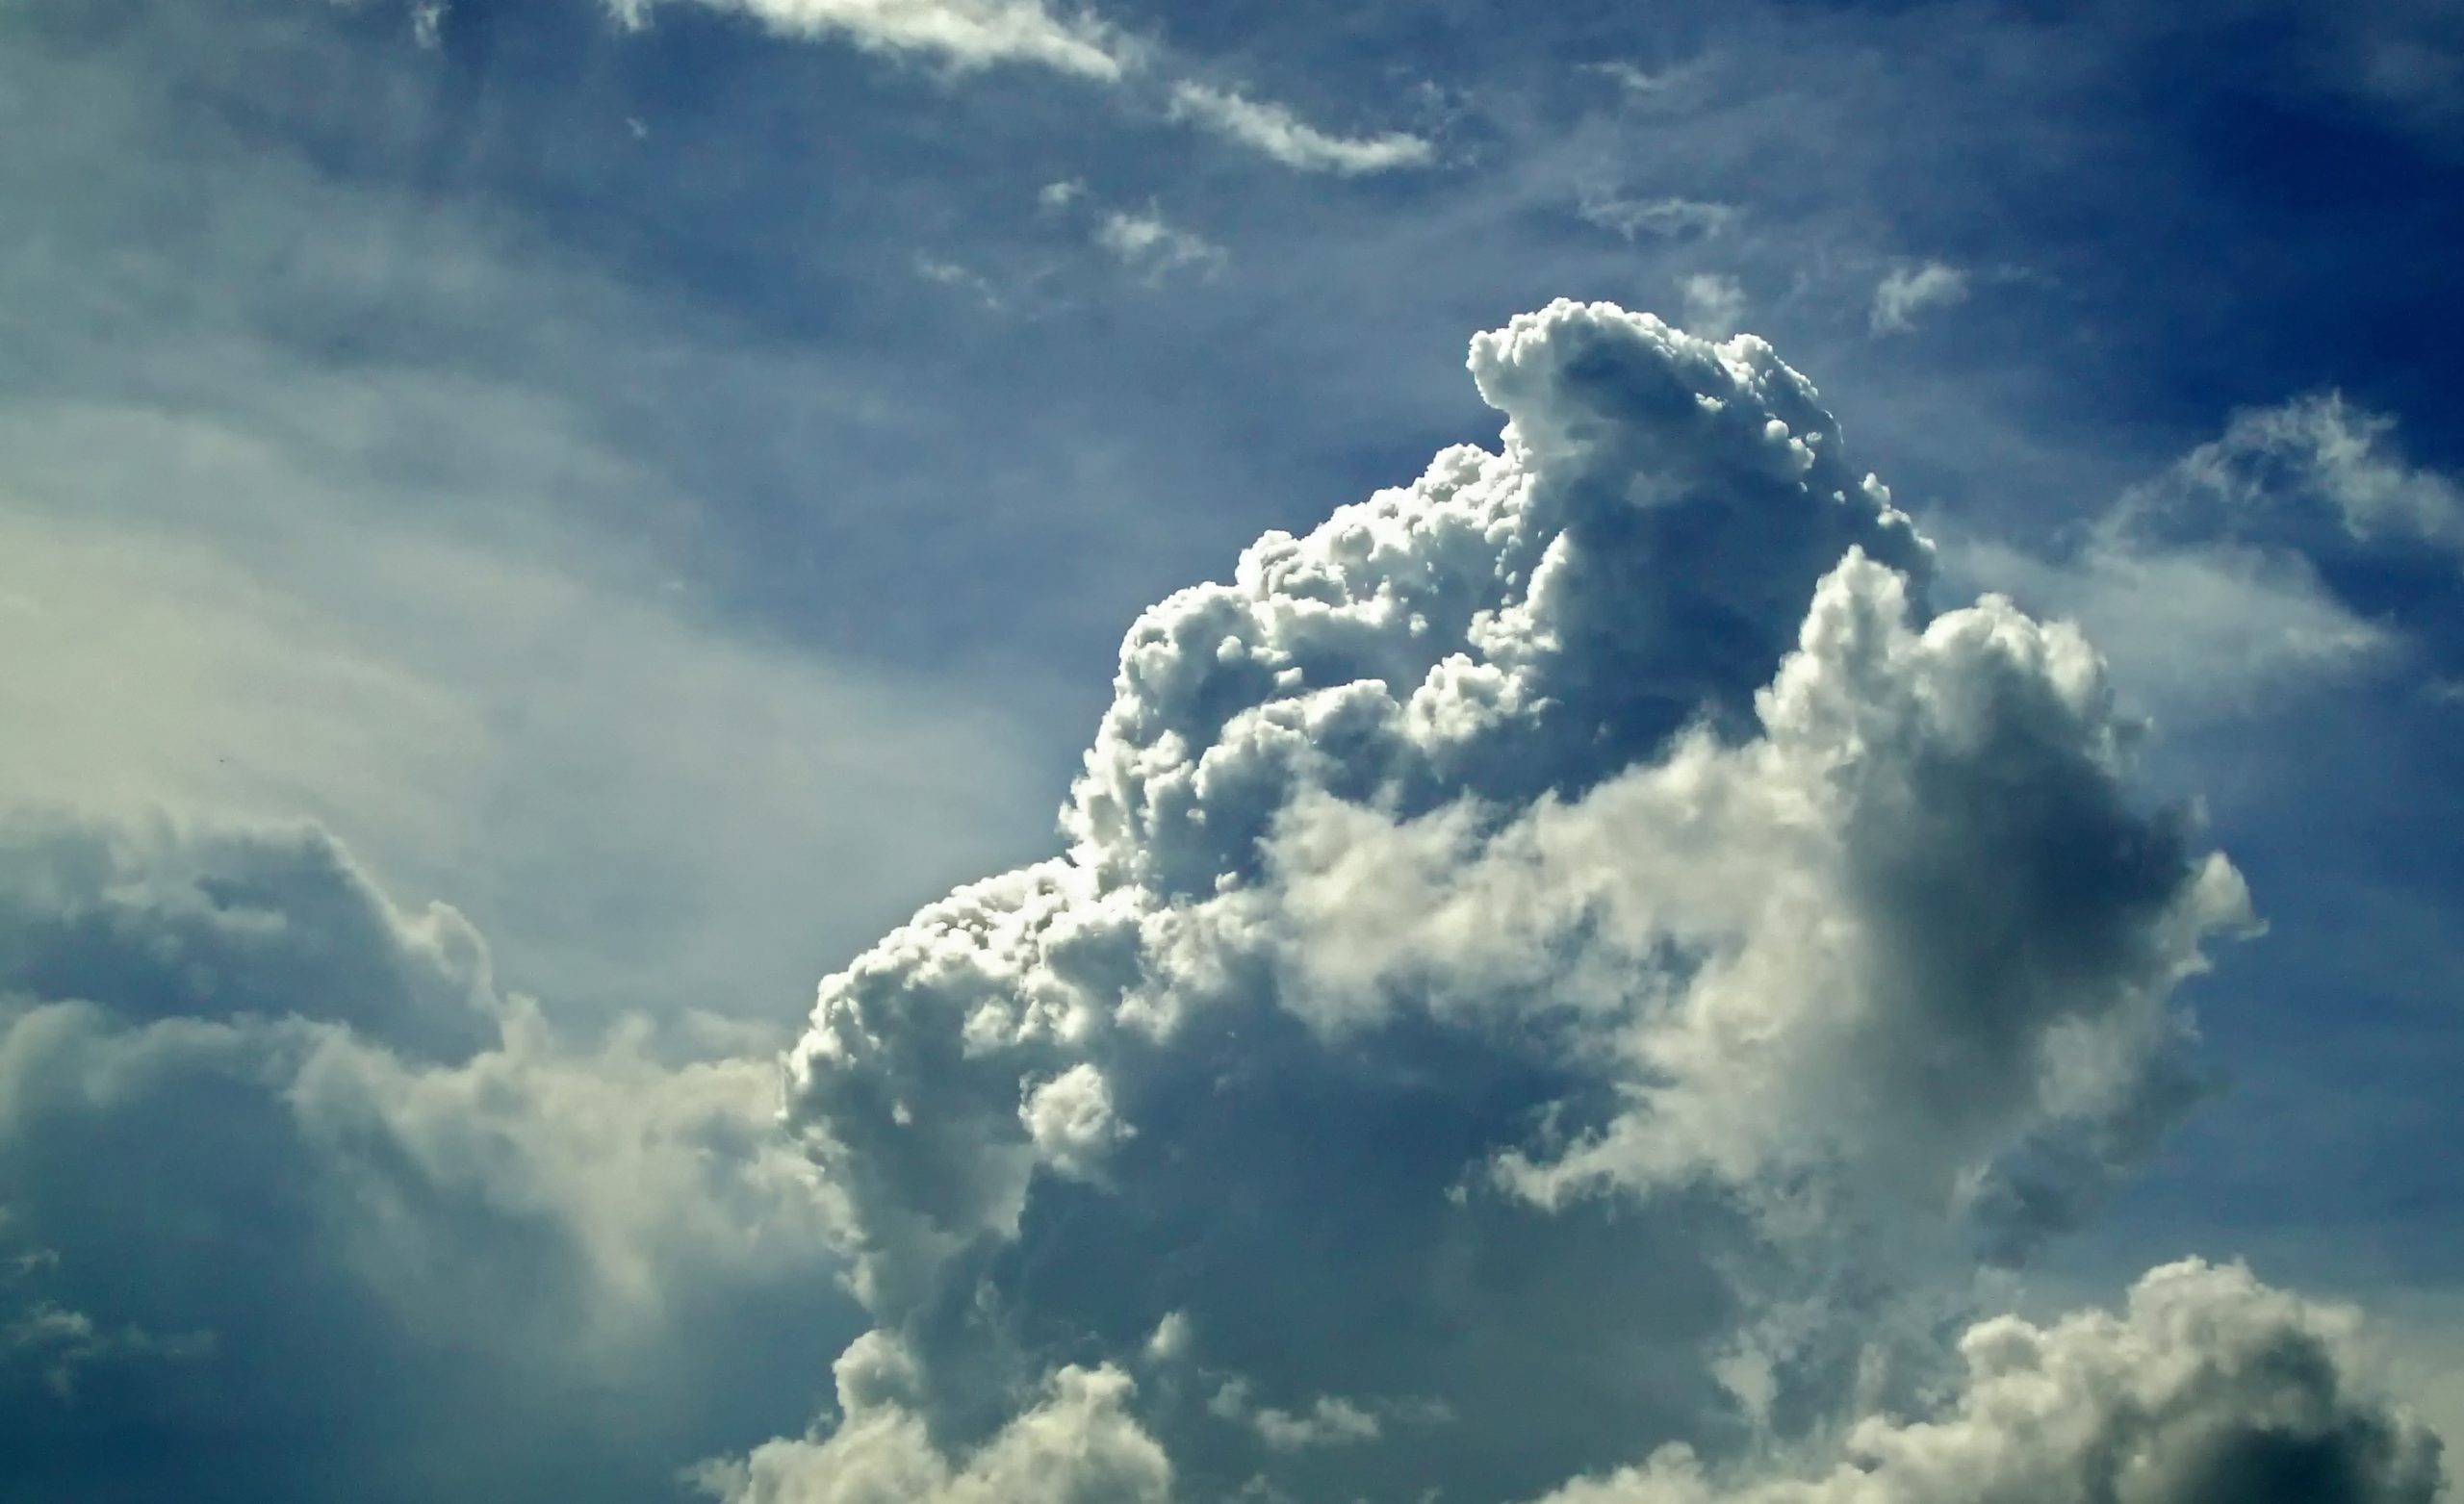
x=288, y=1190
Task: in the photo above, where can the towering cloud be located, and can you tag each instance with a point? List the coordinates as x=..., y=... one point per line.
x=1540, y=959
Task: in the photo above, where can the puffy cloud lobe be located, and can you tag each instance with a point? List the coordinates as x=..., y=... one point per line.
x=1071, y=1121
x=1910, y=929
x=2208, y=1387
x=1077, y=1444
x=1531, y=620
x=1516, y=624
x=1607, y=813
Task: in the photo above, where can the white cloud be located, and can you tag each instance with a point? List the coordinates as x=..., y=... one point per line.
x=1596, y=862
x=965, y=34
x=2321, y=449
x=2210, y=1386
x=1714, y=305
x=1667, y=217
x=1070, y=1120
x=1904, y=291
x=421, y=1099
x=950, y=274
x=1329, y=1422
x=1076, y=1445
x=1169, y=1342
x=1274, y=130
x=341, y=1171
x=1145, y=242
x=2198, y=631
x=1811, y=974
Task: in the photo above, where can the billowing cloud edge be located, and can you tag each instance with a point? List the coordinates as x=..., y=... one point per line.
x=1635, y=746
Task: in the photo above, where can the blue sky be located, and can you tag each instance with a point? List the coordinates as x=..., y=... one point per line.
x=534, y=534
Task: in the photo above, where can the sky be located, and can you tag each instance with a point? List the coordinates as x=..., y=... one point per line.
x=977, y=752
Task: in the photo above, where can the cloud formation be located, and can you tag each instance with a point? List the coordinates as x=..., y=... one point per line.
x=2298, y=548
x=1146, y=243
x=1075, y=1444
x=275, y=1140
x=2208, y=1385
x=1668, y=217
x=1906, y=292
x=1586, y=912
x=963, y=33
x=1276, y=131
x=2323, y=451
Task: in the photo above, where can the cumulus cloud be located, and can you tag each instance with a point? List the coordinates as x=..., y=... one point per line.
x=1516, y=940
x=965, y=34
x=270, y=1130
x=1076, y=1445
x=1276, y=131
x=2208, y=1385
x=1904, y=291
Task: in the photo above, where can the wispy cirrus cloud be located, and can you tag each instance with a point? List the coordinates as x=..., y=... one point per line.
x=1280, y=134
x=965, y=34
